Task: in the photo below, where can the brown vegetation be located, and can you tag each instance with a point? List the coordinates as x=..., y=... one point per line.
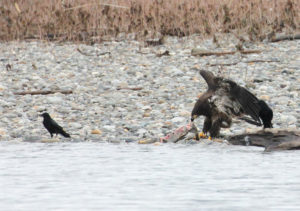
x=93, y=20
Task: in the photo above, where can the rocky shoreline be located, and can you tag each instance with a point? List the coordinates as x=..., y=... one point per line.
x=127, y=91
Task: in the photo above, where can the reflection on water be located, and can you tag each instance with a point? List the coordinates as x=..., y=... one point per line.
x=85, y=176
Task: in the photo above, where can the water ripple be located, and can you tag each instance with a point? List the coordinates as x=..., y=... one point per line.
x=84, y=176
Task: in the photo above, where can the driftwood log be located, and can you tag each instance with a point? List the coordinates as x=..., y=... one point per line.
x=130, y=88
x=285, y=37
x=89, y=54
x=235, y=63
x=46, y=92
x=201, y=52
x=271, y=139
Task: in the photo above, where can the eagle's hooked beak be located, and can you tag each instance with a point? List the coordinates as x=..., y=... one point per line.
x=194, y=117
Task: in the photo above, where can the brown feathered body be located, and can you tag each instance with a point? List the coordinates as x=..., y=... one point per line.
x=225, y=100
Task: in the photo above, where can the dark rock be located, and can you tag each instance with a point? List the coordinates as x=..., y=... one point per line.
x=285, y=71
x=283, y=86
x=258, y=81
x=129, y=140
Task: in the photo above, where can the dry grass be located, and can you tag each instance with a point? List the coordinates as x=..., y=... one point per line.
x=81, y=20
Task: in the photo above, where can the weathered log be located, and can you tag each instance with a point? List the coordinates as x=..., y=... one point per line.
x=46, y=92
x=271, y=139
x=249, y=51
x=96, y=54
x=201, y=52
x=130, y=88
x=235, y=63
x=285, y=37
x=155, y=42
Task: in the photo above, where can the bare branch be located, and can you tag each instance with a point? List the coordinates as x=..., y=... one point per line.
x=285, y=37
x=46, y=92
x=200, y=52
x=235, y=63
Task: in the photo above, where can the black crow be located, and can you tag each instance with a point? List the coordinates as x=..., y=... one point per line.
x=224, y=100
x=53, y=127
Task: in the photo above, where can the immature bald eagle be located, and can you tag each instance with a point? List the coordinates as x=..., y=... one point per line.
x=224, y=100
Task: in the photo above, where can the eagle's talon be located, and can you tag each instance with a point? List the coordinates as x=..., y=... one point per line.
x=202, y=135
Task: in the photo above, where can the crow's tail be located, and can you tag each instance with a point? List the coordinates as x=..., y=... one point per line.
x=65, y=134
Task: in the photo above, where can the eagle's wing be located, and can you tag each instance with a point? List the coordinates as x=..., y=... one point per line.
x=250, y=121
x=209, y=78
x=248, y=101
x=230, y=98
x=220, y=100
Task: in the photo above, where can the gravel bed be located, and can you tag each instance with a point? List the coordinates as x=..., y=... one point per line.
x=124, y=91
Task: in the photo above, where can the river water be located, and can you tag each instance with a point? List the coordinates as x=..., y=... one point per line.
x=105, y=176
